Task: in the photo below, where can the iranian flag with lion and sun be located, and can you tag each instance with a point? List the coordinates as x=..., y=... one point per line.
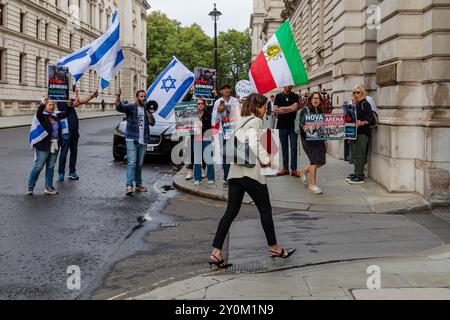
x=279, y=63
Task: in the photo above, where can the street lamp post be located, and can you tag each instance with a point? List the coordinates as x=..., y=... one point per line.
x=215, y=14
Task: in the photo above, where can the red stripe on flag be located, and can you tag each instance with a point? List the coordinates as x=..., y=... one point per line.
x=262, y=76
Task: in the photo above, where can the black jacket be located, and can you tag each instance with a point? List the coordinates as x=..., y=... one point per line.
x=364, y=113
x=45, y=144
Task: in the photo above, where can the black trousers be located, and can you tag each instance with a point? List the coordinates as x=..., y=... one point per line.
x=260, y=196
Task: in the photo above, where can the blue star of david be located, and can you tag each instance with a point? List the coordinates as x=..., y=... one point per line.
x=171, y=85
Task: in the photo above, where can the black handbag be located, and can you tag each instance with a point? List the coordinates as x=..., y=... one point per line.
x=242, y=154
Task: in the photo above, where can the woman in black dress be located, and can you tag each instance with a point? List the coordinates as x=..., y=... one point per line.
x=315, y=150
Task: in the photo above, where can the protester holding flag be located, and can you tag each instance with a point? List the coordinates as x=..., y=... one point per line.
x=137, y=137
x=315, y=150
x=70, y=140
x=226, y=112
x=45, y=138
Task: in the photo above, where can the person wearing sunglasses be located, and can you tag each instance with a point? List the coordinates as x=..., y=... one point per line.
x=360, y=147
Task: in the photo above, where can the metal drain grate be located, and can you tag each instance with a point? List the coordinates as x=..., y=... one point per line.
x=252, y=264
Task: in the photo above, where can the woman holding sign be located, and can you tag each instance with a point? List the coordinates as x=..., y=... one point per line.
x=315, y=150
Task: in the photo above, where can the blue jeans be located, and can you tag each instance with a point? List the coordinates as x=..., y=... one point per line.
x=291, y=135
x=209, y=166
x=68, y=142
x=43, y=158
x=135, y=161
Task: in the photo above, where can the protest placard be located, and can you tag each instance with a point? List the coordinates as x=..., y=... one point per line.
x=322, y=127
x=243, y=89
x=350, y=120
x=58, y=83
x=186, y=117
x=204, y=83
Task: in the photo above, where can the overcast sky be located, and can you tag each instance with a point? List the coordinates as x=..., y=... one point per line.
x=236, y=13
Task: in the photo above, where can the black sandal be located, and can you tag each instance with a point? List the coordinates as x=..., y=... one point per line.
x=283, y=254
x=220, y=264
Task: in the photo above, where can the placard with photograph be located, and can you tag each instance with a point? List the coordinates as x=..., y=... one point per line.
x=58, y=83
x=204, y=83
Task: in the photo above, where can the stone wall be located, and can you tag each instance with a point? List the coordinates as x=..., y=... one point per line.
x=413, y=57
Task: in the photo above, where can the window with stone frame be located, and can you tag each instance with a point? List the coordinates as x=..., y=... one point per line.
x=22, y=22
x=22, y=60
x=2, y=65
x=38, y=28
x=38, y=64
x=59, y=37
x=2, y=15
x=47, y=30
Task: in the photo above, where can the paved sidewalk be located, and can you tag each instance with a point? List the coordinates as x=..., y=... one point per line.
x=415, y=277
x=24, y=121
x=339, y=196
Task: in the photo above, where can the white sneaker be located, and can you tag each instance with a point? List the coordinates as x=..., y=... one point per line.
x=188, y=176
x=314, y=189
x=304, y=178
x=51, y=191
x=197, y=183
x=211, y=182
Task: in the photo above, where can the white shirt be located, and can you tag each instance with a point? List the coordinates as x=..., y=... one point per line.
x=141, y=123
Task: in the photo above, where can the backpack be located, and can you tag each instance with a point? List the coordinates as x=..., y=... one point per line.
x=375, y=125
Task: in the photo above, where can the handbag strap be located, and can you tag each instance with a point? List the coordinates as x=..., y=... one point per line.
x=245, y=123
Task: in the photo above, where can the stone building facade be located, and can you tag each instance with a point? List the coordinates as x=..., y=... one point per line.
x=37, y=33
x=400, y=51
x=264, y=21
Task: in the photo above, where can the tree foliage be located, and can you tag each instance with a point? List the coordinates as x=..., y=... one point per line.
x=234, y=56
x=167, y=38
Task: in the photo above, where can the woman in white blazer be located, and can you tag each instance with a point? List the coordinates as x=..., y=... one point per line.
x=243, y=179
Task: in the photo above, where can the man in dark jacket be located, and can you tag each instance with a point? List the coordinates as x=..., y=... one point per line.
x=137, y=137
x=46, y=150
x=70, y=141
x=360, y=146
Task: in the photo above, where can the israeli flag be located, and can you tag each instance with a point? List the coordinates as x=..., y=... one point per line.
x=64, y=125
x=169, y=88
x=37, y=131
x=104, y=55
x=78, y=62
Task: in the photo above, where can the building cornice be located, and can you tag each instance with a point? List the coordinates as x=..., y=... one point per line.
x=289, y=8
x=145, y=5
x=255, y=16
x=133, y=49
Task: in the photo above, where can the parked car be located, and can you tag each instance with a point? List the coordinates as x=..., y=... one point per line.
x=163, y=138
